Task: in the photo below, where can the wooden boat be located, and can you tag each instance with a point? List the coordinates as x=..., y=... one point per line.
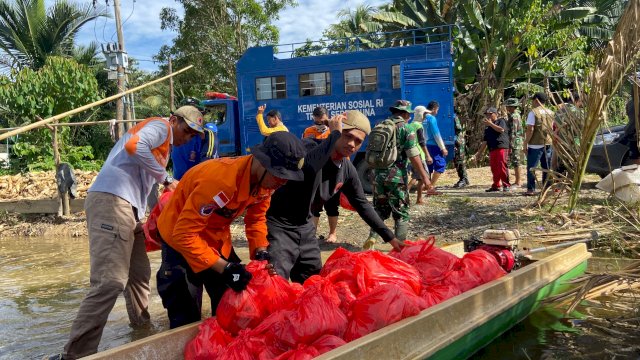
x=453, y=329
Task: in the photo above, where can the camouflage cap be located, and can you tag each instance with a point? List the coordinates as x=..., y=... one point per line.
x=356, y=120
x=402, y=105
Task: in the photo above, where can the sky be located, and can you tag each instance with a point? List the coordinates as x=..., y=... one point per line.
x=143, y=36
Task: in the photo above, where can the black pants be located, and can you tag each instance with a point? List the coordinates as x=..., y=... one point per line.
x=181, y=289
x=294, y=250
x=330, y=207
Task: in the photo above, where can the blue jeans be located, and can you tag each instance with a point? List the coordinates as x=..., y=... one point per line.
x=535, y=156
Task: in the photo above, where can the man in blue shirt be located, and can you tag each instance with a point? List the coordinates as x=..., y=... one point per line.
x=435, y=144
x=199, y=149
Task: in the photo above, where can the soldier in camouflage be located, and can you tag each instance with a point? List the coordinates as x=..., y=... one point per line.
x=390, y=195
x=514, y=123
x=459, y=151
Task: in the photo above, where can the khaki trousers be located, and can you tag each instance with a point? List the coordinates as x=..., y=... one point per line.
x=119, y=263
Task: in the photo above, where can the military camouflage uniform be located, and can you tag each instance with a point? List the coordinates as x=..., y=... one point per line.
x=390, y=195
x=459, y=151
x=515, y=138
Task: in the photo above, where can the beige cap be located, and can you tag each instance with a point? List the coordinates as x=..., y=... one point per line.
x=356, y=120
x=192, y=116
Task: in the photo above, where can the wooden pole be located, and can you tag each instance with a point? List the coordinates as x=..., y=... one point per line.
x=63, y=197
x=171, y=99
x=120, y=107
x=88, y=106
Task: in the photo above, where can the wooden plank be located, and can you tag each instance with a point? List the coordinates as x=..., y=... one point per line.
x=40, y=206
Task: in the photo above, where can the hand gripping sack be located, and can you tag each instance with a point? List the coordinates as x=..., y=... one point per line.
x=382, y=150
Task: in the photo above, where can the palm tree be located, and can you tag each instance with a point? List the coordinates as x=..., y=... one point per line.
x=29, y=32
x=356, y=26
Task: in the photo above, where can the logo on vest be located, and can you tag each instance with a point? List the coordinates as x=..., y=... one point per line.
x=219, y=202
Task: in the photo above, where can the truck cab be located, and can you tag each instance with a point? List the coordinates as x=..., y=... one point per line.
x=344, y=75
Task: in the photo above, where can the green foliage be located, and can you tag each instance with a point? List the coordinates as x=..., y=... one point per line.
x=59, y=86
x=213, y=34
x=29, y=33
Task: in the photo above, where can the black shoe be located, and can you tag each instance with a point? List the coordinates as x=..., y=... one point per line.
x=54, y=357
x=492, y=189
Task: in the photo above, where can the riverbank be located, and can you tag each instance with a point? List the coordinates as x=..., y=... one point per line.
x=455, y=215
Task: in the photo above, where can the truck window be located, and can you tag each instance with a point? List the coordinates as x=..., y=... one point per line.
x=395, y=76
x=361, y=80
x=274, y=87
x=216, y=114
x=315, y=84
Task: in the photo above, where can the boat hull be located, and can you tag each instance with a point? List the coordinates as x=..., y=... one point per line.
x=454, y=329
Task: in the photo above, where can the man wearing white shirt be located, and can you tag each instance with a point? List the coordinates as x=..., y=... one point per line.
x=538, y=140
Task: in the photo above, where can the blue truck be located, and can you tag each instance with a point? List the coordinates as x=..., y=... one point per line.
x=416, y=65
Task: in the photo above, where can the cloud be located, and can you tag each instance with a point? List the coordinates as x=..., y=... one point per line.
x=143, y=36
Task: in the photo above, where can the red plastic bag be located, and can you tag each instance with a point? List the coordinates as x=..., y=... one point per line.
x=340, y=259
x=246, y=347
x=238, y=310
x=474, y=269
x=435, y=294
x=210, y=342
x=344, y=202
x=345, y=294
x=382, y=306
x=273, y=292
x=316, y=313
x=432, y=263
x=374, y=268
x=150, y=227
x=369, y=269
x=327, y=343
x=483, y=265
x=303, y=352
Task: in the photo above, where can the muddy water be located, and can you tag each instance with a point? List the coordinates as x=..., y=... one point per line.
x=43, y=281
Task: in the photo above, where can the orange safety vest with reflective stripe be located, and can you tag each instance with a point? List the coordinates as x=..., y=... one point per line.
x=312, y=132
x=197, y=220
x=161, y=153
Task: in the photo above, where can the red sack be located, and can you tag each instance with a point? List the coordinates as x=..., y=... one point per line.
x=431, y=262
x=474, y=269
x=382, y=306
x=483, y=265
x=303, y=352
x=273, y=292
x=245, y=347
x=435, y=294
x=369, y=269
x=150, y=227
x=345, y=294
x=209, y=343
x=340, y=259
x=316, y=313
x=374, y=268
x=238, y=310
x=327, y=343
x=344, y=202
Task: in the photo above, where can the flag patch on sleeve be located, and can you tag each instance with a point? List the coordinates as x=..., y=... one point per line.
x=219, y=201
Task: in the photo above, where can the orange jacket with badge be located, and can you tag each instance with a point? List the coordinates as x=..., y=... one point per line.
x=197, y=220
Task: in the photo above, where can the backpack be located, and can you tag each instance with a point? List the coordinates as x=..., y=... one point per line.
x=382, y=151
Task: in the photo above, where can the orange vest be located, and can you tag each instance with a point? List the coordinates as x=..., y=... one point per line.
x=312, y=132
x=197, y=220
x=161, y=153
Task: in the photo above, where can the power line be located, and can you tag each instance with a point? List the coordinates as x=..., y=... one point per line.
x=127, y=19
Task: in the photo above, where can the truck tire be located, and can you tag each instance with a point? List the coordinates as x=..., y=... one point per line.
x=365, y=174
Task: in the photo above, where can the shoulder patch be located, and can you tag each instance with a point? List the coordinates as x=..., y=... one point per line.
x=219, y=201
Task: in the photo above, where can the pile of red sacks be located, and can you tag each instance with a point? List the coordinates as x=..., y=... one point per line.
x=354, y=295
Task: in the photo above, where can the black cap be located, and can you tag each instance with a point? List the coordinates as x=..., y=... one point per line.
x=282, y=154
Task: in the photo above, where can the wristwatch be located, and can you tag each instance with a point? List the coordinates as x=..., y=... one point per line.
x=168, y=180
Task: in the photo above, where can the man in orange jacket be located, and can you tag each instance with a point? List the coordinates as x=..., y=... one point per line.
x=195, y=225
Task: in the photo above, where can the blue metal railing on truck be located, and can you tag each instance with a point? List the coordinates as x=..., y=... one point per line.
x=363, y=42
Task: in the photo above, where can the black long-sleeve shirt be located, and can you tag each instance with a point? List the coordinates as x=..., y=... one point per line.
x=323, y=179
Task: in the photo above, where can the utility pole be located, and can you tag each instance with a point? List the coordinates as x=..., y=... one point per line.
x=171, y=100
x=120, y=70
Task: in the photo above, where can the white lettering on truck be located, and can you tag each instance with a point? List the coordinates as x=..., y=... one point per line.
x=367, y=107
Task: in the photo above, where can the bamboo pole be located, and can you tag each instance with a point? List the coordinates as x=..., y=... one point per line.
x=88, y=106
x=98, y=122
